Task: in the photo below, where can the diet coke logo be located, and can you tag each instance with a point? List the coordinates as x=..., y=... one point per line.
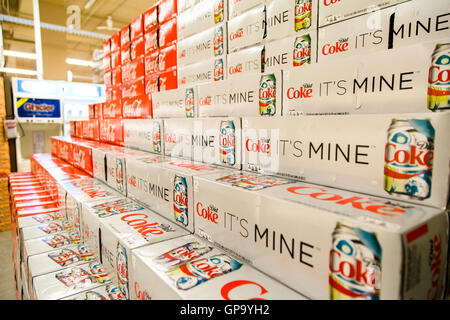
x=208, y=213
x=339, y=46
x=235, y=285
x=257, y=146
x=227, y=141
x=239, y=33
x=139, y=222
x=327, y=3
x=132, y=181
x=235, y=69
x=436, y=75
x=300, y=93
x=356, y=202
x=206, y=101
x=411, y=156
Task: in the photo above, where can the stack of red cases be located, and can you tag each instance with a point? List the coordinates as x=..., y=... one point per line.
x=111, y=131
x=112, y=108
x=151, y=33
x=168, y=36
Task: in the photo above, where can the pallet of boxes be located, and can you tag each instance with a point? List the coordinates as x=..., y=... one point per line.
x=5, y=169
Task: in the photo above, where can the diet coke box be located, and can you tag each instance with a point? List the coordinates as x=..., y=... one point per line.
x=256, y=95
x=57, y=260
x=217, y=141
x=399, y=156
x=204, y=15
x=99, y=161
x=177, y=138
x=398, y=26
x=292, y=52
x=70, y=281
x=116, y=168
x=93, y=214
x=189, y=268
x=144, y=135
x=323, y=242
x=165, y=186
x=45, y=229
x=247, y=29
x=202, y=46
x=177, y=103
x=332, y=11
x=85, y=191
x=287, y=18
x=238, y=7
x=250, y=60
x=202, y=72
x=120, y=234
x=40, y=219
x=108, y=291
x=398, y=82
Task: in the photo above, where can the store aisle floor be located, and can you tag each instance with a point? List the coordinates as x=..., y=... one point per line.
x=6, y=267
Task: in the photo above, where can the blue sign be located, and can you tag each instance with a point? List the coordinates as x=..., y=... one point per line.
x=39, y=108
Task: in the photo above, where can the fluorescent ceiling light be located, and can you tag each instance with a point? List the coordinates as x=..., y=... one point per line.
x=79, y=62
x=18, y=54
x=19, y=71
x=89, y=4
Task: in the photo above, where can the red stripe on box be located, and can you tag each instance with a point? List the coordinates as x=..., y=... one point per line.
x=416, y=233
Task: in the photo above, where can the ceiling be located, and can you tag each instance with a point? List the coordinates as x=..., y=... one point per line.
x=18, y=37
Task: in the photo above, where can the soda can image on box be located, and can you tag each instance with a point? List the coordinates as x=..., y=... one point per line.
x=267, y=95
x=439, y=78
x=405, y=173
x=302, y=14
x=302, y=50
x=193, y=273
x=354, y=247
x=227, y=142
x=180, y=200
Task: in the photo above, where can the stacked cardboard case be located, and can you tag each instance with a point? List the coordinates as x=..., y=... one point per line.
x=302, y=154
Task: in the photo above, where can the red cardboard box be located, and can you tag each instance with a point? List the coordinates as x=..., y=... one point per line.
x=134, y=88
x=112, y=109
x=151, y=41
x=167, y=58
x=125, y=36
x=82, y=158
x=125, y=53
x=152, y=64
x=137, y=28
x=111, y=131
x=133, y=70
x=166, y=10
x=139, y=107
x=106, y=47
x=168, y=80
x=107, y=63
x=168, y=33
x=151, y=18
x=115, y=42
x=137, y=48
x=151, y=84
x=115, y=59
x=117, y=76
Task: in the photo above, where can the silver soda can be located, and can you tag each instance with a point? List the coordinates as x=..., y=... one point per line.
x=267, y=95
x=218, y=41
x=355, y=264
x=409, y=152
x=218, y=70
x=439, y=78
x=180, y=200
x=227, y=143
x=156, y=137
x=189, y=102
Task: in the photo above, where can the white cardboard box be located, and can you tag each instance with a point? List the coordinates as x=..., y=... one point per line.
x=286, y=18
x=144, y=134
x=40, y=219
x=332, y=11
x=397, y=156
x=165, y=186
x=125, y=232
x=238, y=7
x=70, y=281
x=207, y=44
x=247, y=29
x=393, y=27
x=177, y=103
x=250, y=60
x=105, y=292
x=396, y=83
x=279, y=54
x=247, y=95
x=202, y=72
x=189, y=268
x=326, y=243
